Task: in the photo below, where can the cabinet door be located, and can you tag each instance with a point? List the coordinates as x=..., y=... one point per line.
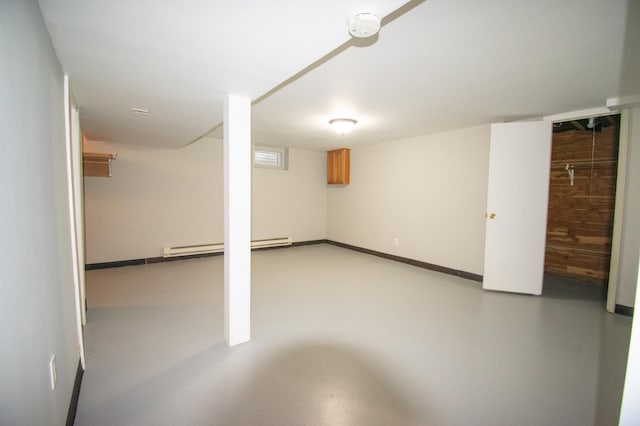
x=338, y=166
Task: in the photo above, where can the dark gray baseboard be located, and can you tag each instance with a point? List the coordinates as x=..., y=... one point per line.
x=308, y=243
x=624, y=310
x=160, y=259
x=408, y=261
x=115, y=264
x=75, y=396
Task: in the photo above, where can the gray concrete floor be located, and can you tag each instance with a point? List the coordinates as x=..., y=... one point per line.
x=344, y=338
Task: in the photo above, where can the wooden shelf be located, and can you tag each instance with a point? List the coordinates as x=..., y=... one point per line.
x=97, y=164
x=338, y=167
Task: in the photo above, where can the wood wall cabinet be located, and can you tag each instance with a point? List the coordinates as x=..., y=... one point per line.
x=97, y=164
x=338, y=166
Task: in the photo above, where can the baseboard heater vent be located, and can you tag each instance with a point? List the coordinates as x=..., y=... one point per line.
x=271, y=242
x=176, y=251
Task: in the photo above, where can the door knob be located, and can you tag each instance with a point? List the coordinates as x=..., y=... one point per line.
x=492, y=216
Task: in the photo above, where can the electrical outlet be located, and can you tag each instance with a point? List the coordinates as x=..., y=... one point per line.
x=396, y=242
x=53, y=372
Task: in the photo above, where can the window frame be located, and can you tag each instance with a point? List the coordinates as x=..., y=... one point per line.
x=282, y=153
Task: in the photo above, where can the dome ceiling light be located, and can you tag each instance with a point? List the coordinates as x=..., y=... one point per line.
x=343, y=125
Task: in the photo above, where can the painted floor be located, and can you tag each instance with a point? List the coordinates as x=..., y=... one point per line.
x=344, y=338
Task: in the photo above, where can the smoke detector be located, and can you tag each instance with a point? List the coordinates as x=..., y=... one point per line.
x=364, y=24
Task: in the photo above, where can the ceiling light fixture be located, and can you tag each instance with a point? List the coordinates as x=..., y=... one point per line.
x=343, y=125
x=139, y=111
x=364, y=24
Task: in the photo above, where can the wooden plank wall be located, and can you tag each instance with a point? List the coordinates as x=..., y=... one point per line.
x=580, y=218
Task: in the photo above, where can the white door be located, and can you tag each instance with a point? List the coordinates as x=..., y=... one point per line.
x=519, y=163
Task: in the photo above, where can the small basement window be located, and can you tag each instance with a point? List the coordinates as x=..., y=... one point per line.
x=270, y=158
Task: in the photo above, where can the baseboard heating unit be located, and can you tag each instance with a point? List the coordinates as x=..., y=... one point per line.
x=196, y=249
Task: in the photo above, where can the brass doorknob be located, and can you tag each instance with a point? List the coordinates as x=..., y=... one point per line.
x=492, y=216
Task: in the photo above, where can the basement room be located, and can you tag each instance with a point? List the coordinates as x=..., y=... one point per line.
x=386, y=212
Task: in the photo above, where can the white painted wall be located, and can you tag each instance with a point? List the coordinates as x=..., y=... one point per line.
x=155, y=197
x=630, y=409
x=37, y=312
x=429, y=192
x=291, y=202
x=630, y=241
x=175, y=196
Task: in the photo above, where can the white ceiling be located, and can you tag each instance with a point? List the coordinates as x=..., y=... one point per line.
x=438, y=65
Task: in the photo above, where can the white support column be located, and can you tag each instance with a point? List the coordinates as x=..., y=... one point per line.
x=237, y=220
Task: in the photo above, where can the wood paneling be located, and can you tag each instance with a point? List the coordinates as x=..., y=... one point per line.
x=580, y=219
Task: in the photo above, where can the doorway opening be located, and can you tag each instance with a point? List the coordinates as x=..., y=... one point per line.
x=582, y=196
